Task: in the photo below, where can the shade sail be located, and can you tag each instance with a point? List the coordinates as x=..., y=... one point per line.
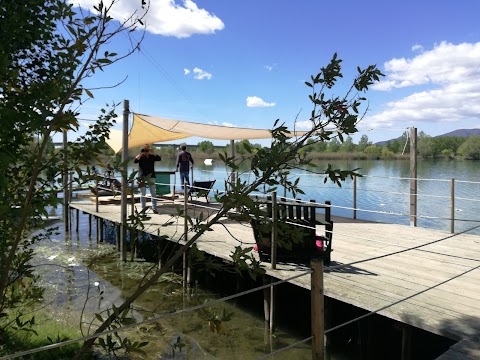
x=148, y=129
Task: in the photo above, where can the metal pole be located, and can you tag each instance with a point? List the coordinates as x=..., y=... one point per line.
x=452, y=205
x=413, y=176
x=123, y=215
x=318, y=326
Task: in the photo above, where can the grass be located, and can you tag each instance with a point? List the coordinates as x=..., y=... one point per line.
x=47, y=330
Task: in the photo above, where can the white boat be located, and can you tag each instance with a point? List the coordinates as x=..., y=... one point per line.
x=208, y=161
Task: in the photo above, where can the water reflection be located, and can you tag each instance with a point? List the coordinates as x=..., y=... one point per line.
x=88, y=278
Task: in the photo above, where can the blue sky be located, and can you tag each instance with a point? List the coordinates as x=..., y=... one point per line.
x=244, y=63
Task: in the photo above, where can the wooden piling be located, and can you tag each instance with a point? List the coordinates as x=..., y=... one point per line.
x=100, y=224
x=77, y=217
x=117, y=236
x=89, y=225
x=318, y=326
x=406, y=342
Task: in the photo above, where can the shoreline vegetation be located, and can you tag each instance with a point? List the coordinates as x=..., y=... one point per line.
x=441, y=148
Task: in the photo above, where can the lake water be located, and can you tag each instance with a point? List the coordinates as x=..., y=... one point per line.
x=383, y=193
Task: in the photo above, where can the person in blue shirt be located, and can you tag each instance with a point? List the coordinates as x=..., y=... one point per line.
x=146, y=175
x=184, y=164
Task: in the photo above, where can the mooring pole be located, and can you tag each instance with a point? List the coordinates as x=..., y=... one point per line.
x=123, y=213
x=318, y=326
x=413, y=176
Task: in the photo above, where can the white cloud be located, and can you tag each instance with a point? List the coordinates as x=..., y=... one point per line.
x=222, y=123
x=417, y=47
x=303, y=125
x=165, y=17
x=445, y=84
x=186, y=71
x=254, y=101
x=201, y=74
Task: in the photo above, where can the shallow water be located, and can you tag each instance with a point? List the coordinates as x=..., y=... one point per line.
x=75, y=284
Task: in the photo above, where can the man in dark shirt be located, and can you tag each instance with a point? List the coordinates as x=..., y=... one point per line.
x=184, y=159
x=146, y=175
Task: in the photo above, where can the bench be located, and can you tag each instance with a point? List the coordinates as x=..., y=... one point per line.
x=201, y=188
x=297, y=238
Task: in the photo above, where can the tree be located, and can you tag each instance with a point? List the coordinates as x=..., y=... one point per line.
x=424, y=145
x=348, y=145
x=333, y=145
x=363, y=143
x=48, y=51
x=470, y=149
x=330, y=119
x=206, y=147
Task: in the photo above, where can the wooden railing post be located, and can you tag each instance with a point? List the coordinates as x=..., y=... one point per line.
x=354, y=197
x=274, y=231
x=273, y=257
x=185, y=234
x=452, y=205
x=318, y=326
x=413, y=177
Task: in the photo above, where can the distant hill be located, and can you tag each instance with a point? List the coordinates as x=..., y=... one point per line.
x=458, y=132
x=462, y=133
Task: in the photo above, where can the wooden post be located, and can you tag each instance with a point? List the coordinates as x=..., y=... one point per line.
x=318, y=326
x=77, y=219
x=89, y=225
x=406, y=342
x=96, y=195
x=413, y=176
x=65, y=183
x=266, y=301
x=118, y=229
x=97, y=232
x=272, y=307
x=354, y=197
x=185, y=234
x=273, y=245
x=452, y=205
x=123, y=213
x=101, y=229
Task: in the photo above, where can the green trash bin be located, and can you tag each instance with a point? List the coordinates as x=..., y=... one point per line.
x=162, y=186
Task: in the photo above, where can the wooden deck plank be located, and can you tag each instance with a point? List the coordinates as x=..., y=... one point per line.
x=452, y=309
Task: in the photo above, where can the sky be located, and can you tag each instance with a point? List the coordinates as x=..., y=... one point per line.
x=245, y=63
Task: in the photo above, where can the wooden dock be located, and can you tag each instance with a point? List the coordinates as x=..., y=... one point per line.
x=432, y=277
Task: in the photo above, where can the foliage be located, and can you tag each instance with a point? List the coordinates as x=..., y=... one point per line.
x=48, y=52
x=206, y=147
x=470, y=149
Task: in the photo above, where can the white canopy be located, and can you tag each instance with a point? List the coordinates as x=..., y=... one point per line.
x=150, y=129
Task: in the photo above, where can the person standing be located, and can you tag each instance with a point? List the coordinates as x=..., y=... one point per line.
x=146, y=175
x=184, y=164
